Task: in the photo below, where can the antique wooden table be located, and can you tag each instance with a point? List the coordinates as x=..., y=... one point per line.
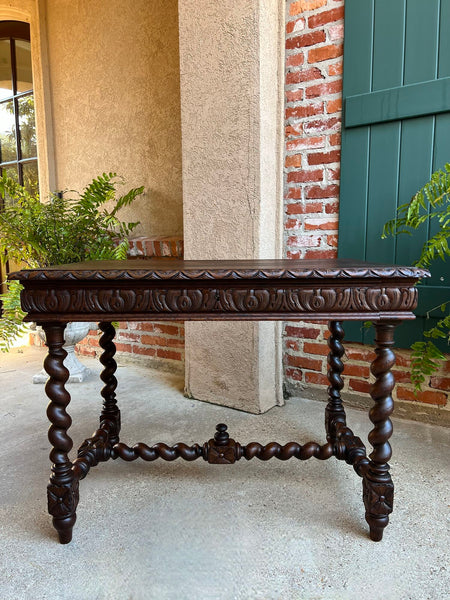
x=162, y=289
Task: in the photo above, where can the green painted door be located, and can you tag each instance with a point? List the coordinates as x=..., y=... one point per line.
x=396, y=132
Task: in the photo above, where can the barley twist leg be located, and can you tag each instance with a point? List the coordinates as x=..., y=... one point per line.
x=378, y=489
x=62, y=490
x=110, y=415
x=334, y=412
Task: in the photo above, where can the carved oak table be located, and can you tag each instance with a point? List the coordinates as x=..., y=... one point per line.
x=161, y=289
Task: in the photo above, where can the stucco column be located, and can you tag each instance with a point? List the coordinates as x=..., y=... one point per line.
x=231, y=110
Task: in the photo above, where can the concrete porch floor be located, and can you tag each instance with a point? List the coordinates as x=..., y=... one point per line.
x=250, y=531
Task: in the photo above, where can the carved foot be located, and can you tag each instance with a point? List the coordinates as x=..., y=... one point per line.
x=64, y=528
x=62, y=504
x=378, y=500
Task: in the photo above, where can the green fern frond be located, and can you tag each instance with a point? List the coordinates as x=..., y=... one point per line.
x=127, y=199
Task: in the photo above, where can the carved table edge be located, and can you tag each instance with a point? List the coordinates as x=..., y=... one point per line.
x=216, y=273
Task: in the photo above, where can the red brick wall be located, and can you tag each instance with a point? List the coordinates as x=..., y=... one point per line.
x=314, y=39
x=313, y=124
x=165, y=246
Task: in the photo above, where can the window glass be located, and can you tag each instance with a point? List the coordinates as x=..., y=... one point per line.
x=27, y=127
x=7, y=132
x=5, y=70
x=30, y=177
x=12, y=172
x=23, y=66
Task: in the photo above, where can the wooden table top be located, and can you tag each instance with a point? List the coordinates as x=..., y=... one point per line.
x=261, y=269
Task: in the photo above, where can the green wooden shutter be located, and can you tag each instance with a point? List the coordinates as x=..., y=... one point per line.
x=396, y=132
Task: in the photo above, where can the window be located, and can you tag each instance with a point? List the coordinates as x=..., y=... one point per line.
x=18, y=144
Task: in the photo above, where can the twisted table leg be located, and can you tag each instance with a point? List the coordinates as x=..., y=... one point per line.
x=334, y=412
x=62, y=490
x=110, y=415
x=378, y=489
x=98, y=447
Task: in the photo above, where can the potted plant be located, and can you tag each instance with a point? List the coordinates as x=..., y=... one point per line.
x=69, y=228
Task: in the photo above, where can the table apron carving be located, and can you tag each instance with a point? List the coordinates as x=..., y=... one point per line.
x=244, y=301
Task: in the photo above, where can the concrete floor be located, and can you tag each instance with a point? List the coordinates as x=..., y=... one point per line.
x=251, y=531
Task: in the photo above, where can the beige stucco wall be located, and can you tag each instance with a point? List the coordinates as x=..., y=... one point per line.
x=231, y=127
x=115, y=100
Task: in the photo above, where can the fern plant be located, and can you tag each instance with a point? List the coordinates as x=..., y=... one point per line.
x=63, y=230
x=431, y=203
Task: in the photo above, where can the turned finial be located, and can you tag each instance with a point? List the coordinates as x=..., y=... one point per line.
x=221, y=436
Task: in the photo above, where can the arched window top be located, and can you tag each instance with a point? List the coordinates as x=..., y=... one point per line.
x=18, y=146
x=15, y=50
x=16, y=29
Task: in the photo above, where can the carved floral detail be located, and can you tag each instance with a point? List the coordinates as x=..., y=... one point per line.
x=221, y=455
x=62, y=499
x=378, y=497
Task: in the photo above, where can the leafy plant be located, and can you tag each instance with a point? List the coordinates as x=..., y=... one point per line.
x=11, y=323
x=431, y=203
x=63, y=230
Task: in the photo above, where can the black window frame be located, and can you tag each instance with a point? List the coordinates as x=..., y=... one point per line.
x=16, y=30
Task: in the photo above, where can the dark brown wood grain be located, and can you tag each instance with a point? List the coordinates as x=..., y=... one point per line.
x=159, y=289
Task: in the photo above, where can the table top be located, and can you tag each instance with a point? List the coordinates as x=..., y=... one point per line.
x=167, y=289
x=261, y=269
